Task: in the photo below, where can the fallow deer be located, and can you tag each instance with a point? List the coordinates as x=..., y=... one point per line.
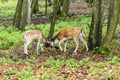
x=31, y=35
x=75, y=33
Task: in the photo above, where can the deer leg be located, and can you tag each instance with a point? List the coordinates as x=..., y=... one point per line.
x=41, y=46
x=60, y=45
x=65, y=46
x=25, y=48
x=38, y=44
x=84, y=41
x=26, y=43
x=77, y=44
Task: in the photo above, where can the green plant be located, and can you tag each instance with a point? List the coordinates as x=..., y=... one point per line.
x=26, y=74
x=6, y=77
x=108, y=77
x=12, y=71
x=6, y=60
x=55, y=64
x=102, y=50
x=71, y=63
x=94, y=71
x=10, y=37
x=84, y=61
x=114, y=41
x=101, y=64
x=115, y=59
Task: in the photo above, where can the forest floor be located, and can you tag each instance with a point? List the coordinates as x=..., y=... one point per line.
x=78, y=73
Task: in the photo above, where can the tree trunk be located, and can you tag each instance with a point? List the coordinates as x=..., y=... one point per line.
x=58, y=7
x=29, y=12
x=49, y=2
x=17, y=17
x=34, y=7
x=45, y=7
x=112, y=21
x=96, y=25
x=26, y=17
x=90, y=2
x=53, y=19
x=65, y=8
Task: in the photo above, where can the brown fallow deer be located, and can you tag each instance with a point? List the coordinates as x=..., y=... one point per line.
x=31, y=35
x=75, y=33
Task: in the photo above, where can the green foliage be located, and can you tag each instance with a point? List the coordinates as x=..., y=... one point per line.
x=27, y=74
x=12, y=71
x=9, y=37
x=55, y=64
x=5, y=14
x=71, y=63
x=30, y=60
x=114, y=41
x=94, y=71
x=7, y=9
x=9, y=4
x=6, y=77
x=101, y=64
x=115, y=59
x=108, y=77
x=83, y=61
x=6, y=60
x=112, y=74
x=102, y=50
x=51, y=76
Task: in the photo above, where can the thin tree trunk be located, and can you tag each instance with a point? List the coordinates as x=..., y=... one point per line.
x=29, y=12
x=53, y=19
x=95, y=33
x=46, y=7
x=34, y=7
x=112, y=21
x=17, y=17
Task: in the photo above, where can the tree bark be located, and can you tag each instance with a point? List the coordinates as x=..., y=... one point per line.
x=53, y=19
x=49, y=2
x=90, y=2
x=95, y=32
x=112, y=21
x=65, y=8
x=29, y=12
x=34, y=7
x=17, y=17
x=26, y=17
x=45, y=7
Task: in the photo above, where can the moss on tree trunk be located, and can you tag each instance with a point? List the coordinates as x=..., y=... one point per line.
x=112, y=21
x=96, y=25
x=65, y=8
x=17, y=17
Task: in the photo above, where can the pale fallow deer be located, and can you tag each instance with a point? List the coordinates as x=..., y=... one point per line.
x=31, y=35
